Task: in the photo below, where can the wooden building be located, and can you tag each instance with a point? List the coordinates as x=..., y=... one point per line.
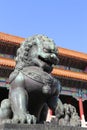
x=71, y=71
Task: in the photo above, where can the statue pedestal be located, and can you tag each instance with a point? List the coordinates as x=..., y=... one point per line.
x=38, y=127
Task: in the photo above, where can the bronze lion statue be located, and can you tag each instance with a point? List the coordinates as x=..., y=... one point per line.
x=32, y=87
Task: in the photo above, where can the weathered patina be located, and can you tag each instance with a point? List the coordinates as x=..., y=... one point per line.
x=32, y=87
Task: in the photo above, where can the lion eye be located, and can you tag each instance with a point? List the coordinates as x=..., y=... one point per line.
x=45, y=50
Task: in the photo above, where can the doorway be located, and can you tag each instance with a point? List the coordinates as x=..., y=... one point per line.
x=3, y=93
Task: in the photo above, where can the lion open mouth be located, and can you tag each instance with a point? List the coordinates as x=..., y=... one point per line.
x=48, y=61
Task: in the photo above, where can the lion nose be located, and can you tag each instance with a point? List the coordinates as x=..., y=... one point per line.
x=55, y=59
x=53, y=56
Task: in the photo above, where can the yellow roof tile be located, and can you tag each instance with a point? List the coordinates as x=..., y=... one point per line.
x=62, y=51
x=56, y=71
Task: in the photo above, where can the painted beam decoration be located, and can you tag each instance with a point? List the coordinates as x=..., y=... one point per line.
x=74, y=92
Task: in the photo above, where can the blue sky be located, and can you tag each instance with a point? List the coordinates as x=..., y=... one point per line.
x=65, y=21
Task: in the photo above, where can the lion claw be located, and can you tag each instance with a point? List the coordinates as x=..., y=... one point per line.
x=24, y=118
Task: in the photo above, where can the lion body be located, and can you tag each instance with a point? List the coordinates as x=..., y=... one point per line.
x=32, y=88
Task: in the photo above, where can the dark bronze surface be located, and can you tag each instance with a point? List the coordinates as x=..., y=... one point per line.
x=33, y=89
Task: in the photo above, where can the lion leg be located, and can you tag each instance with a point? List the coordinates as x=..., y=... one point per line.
x=18, y=95
x=57, y=108
x=52, y=103
x=19, y=102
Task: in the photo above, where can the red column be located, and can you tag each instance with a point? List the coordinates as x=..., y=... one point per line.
x=81, y=107
x=83, y=123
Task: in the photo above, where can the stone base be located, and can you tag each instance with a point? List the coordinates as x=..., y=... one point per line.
x=38, y=127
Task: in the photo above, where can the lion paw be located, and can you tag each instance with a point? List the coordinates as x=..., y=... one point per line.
x=24, y=118
x=8, y=121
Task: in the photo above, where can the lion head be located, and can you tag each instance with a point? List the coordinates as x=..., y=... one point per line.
x=38, y=50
